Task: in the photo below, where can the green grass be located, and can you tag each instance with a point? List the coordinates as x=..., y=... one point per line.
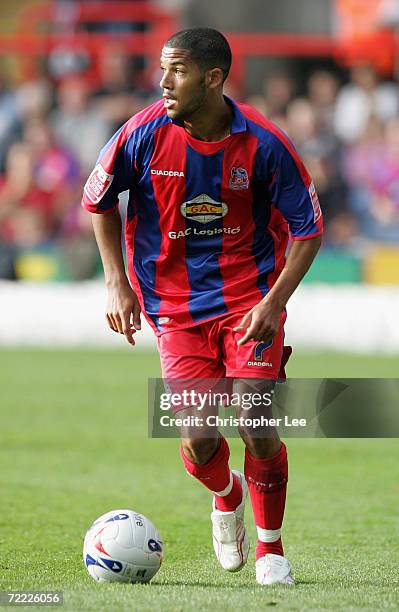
x=74, y=445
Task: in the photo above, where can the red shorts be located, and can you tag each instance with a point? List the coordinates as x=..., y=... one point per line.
x=210, y=350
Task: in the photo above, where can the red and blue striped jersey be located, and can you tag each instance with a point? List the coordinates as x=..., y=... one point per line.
x=207, y=222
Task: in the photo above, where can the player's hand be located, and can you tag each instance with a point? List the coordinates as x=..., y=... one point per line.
x=123, y=311
x=260, y=323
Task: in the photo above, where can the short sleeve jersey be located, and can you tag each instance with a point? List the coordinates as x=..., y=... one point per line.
x=208, y=223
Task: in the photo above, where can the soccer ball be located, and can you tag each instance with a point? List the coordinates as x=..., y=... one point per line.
x=122, y=546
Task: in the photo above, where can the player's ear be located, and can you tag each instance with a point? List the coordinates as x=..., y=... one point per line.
x=214, y=78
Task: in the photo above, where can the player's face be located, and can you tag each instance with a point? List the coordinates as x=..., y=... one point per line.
x=183, y=83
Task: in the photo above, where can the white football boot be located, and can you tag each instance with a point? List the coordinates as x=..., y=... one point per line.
x=230, y=539
x=273, y=569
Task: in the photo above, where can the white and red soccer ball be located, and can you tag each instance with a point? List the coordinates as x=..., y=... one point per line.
x=122, y=546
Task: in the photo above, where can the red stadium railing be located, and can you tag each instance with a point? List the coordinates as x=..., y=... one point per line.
x=41, y=29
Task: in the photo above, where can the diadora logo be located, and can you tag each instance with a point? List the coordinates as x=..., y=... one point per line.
x=238, y=178
x=167, y=172
x=259, y=349
x=203, y=209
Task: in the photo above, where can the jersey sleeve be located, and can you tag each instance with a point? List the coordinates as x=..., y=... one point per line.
x=113, y=173
x=292, y=190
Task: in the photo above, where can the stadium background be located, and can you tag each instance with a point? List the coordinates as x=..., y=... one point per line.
x=71, y=72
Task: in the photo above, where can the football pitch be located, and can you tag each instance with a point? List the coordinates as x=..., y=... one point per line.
x=74, y=445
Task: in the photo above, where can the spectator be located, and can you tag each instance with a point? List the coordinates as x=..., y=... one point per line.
x=372, y=169
x=363, y=97
x=322, y=94
x=34, y=98
x=278, y=92
x=77, y=124
x=9, y=119
x=117, y=97
x=56, y=170
x=26, y=210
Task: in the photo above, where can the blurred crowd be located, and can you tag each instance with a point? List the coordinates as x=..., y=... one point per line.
x=52, y=129
x=348, y=137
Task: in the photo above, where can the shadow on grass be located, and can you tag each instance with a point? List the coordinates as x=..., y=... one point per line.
x=226, y=587
x=203, y=585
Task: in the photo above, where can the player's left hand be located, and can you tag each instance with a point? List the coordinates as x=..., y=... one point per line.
x=260, y=323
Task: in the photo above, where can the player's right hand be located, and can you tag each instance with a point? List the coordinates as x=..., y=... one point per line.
x=123, y=311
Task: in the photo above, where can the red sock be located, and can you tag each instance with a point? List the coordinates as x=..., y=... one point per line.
x=267, y=483
x=217, y=477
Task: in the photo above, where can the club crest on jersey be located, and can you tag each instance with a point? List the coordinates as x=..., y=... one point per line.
x=238, y=178
x=98, y=184
x=203, y=209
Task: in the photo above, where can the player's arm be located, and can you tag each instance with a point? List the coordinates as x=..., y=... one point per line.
x=262, y=322
x=292, y=192
x=112, y=175
x=123, y=308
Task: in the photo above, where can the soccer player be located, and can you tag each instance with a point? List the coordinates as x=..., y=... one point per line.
x=215, y=188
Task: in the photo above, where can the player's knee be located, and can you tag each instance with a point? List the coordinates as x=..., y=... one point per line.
x=199, y=450
x=261, y=447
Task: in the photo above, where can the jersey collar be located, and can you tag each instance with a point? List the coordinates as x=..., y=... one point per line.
x=238, y=123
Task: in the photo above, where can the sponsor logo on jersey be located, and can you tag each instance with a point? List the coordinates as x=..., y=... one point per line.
x=238, y=178
x=315, y=202
x=194, y=231
x=203, y=209
x=98, y=184
x=167, y=172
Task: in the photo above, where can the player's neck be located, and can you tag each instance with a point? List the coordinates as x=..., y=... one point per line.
x=212, y=122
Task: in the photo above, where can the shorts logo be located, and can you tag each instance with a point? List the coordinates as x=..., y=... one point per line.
x=238, y=178
x=168, y=172
x=260, y=348
x=98, y=184
x=315, y=202
x=203, y=209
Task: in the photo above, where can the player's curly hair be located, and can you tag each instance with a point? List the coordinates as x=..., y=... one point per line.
x=208, y=48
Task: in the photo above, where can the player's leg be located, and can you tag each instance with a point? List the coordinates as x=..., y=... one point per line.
x=266, y=466
x=190, y=355
x=266, y=472
x=207, y=460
